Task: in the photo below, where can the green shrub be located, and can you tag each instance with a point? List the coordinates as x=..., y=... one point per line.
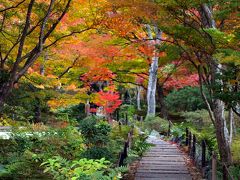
x=75, y=112
x=138, y=148
x=96, y=137
x=120, y=132
x=185, y=99
x=126, y=108
x=199, y=118
x=84, y=169
x=178, y=130
x=235, y=171
x=22, y=155
x=156, y=123
x=140, y=144
x=95, y=132
x=96, y=152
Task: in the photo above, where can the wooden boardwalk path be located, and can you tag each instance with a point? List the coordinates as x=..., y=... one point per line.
x=164, y=161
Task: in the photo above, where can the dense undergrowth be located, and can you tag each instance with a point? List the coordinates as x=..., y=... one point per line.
x=89, y=151
x=69, y=146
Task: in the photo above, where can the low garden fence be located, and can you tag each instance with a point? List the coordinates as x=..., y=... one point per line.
x=127, y=146
x=203, y=156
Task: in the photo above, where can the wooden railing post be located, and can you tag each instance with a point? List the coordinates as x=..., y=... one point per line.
x=186, y=142
x=189, y=142
x=203, y=157
x=169, y=128
x=203, y=153
x=194, y=147
x=127, y=145
x=126, y=119
x=225, y=175
x=214, y=166
x=120, y=161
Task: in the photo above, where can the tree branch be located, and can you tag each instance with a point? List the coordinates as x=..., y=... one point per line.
x=12, y=7
x=66, y=71
x=205, y=97
x=23, y=37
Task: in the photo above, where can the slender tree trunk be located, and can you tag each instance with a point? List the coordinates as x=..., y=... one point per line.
x=163, y=108
x=152, y=81
x=223, y=141
x=139, y=90
x=231, y=124
x=234, y=126
x=217, y=104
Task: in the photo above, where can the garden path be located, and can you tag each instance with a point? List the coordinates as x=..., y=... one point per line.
x=164, y=161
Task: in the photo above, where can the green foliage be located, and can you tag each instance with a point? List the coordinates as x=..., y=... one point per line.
x=140, y=145
x=120, y=132
x=18, y=113
x=199, y=123
x=178, y=130
x=74, y=113
x=84, y=169
x=28, y=149
x=95, y=132
x=130, y=110
x=235, y=171
x=118, y=136
x=138, y=148
x=156, y=123
x=96, y=138
x=235, y=149
x=228, y=91
x=197, y=118
x=96, y=152
x=25, y=101
x=185, y=99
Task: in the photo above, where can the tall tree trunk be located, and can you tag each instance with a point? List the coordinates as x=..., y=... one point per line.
x=231, y=124
x=222, y=137
x=152, y=81
x=217, y=104
x=139, y=90
x=163, y=108
x=234, y=126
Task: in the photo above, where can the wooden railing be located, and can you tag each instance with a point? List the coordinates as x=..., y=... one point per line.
x=191, y=141
x=127, y=145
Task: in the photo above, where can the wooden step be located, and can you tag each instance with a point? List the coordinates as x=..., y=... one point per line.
x=163, y=176
x=159, y=158
x=163, y=171
x=164, y=161
x=161, y=163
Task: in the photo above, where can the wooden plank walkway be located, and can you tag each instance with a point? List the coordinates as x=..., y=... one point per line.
x=164, y=161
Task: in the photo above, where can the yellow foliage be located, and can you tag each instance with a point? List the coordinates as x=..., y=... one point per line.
x=235, y=149
x=39, y=127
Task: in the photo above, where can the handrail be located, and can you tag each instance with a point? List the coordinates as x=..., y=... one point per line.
x=191, y=141
x=123, y=154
